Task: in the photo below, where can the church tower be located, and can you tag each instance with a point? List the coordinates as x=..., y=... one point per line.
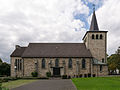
x=96, y=40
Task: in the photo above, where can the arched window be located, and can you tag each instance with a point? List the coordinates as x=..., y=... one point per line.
x=93, y=37
x=101, y=37
x=43, y=63
x=83, y=63
x=70, y=63
x=97, y=36
x=56, y=63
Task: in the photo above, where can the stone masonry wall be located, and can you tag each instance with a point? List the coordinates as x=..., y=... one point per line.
x=13, y=71
x=97, y=72
x=96, y=46
x=29, y=67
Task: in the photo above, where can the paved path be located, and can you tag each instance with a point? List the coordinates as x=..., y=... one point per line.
x=48, y=85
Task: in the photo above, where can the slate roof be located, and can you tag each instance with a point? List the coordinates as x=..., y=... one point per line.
x=94, y=25
x=54, y=50
x=18, y=52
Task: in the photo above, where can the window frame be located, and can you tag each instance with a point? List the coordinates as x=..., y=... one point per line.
x=70, y=63
x=83, y=63
x=43, y=63
x=101, y=68
x=101, y=36
x=56, y=62
x=97, y=36
x=93, y=36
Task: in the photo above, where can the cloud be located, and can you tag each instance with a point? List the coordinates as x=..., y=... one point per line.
x=109, y=19
x=22, y=22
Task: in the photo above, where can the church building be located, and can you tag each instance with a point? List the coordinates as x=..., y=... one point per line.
x=87, y=59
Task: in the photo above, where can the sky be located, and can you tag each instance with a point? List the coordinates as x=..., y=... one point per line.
x=36, y=21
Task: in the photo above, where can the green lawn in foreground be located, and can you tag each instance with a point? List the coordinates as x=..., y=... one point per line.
x=97, y=83
x=16, y=83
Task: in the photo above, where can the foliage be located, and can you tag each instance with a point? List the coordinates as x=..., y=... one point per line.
x=114, y=61
x=34, y=74
x=4, y=68
x=0, y=84
x=48, y=74
x=64, y=77
x=97, y=83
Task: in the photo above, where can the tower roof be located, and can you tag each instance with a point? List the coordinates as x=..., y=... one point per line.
x=94, y=25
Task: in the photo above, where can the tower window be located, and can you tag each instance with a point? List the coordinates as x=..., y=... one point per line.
x=102, y=60
x=56, y=63
x=93, y=37
x=97, y=36
x=43, y=63
x=100, y=67
x=101, y=37
x=83, y=63
x=70, y=63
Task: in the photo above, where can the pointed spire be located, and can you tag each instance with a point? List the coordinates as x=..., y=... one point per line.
x=94, y=25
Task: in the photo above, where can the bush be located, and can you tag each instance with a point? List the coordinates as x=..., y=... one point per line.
x=94, y=75
x=89, y=75
x=80, y=75
x=34, y=74
x=48, y=74
x=69, y=77
x=0, y=84
x=64, y=77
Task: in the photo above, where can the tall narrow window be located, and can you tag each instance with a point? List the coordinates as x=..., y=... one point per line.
x=16, y=64
x=101, y=37
x=70, y=63
x=97, y=36
x=56, y=63
x=43, y=63
x=20, y=64
x=102, y=60
x=83, y=63
x=100, y=67
x=93, y=37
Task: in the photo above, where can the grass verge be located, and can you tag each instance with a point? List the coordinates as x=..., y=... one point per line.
x=16, y=83
x=97, y=83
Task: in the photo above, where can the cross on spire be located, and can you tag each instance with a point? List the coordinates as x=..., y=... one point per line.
x=94, y=25
x=93, y=7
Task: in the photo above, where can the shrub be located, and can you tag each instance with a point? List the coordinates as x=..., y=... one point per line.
x=69, y=77
x=89, y=75
x=48, y=74
x=64, y=76
x=34, y=74
x=94, y=75
x=80, y=75
x=0, y=84
x=85, y=75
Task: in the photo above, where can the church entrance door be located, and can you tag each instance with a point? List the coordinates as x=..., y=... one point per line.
x=56, y=71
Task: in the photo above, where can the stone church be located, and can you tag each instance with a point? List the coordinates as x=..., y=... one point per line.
x=87, y=59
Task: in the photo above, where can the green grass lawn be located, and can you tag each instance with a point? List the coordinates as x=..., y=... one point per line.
x=16, y=83
x=97, y=83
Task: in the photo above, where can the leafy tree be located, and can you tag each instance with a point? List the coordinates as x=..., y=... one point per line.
x=114, y=61
x=4, y=68
x=118, y=58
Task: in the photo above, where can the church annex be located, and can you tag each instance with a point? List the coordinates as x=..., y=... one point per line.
x=87, y=59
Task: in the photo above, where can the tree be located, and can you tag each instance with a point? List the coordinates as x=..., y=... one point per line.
x=118, y=58
x=4, y=68
x=111, y=63
x=114, y=61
